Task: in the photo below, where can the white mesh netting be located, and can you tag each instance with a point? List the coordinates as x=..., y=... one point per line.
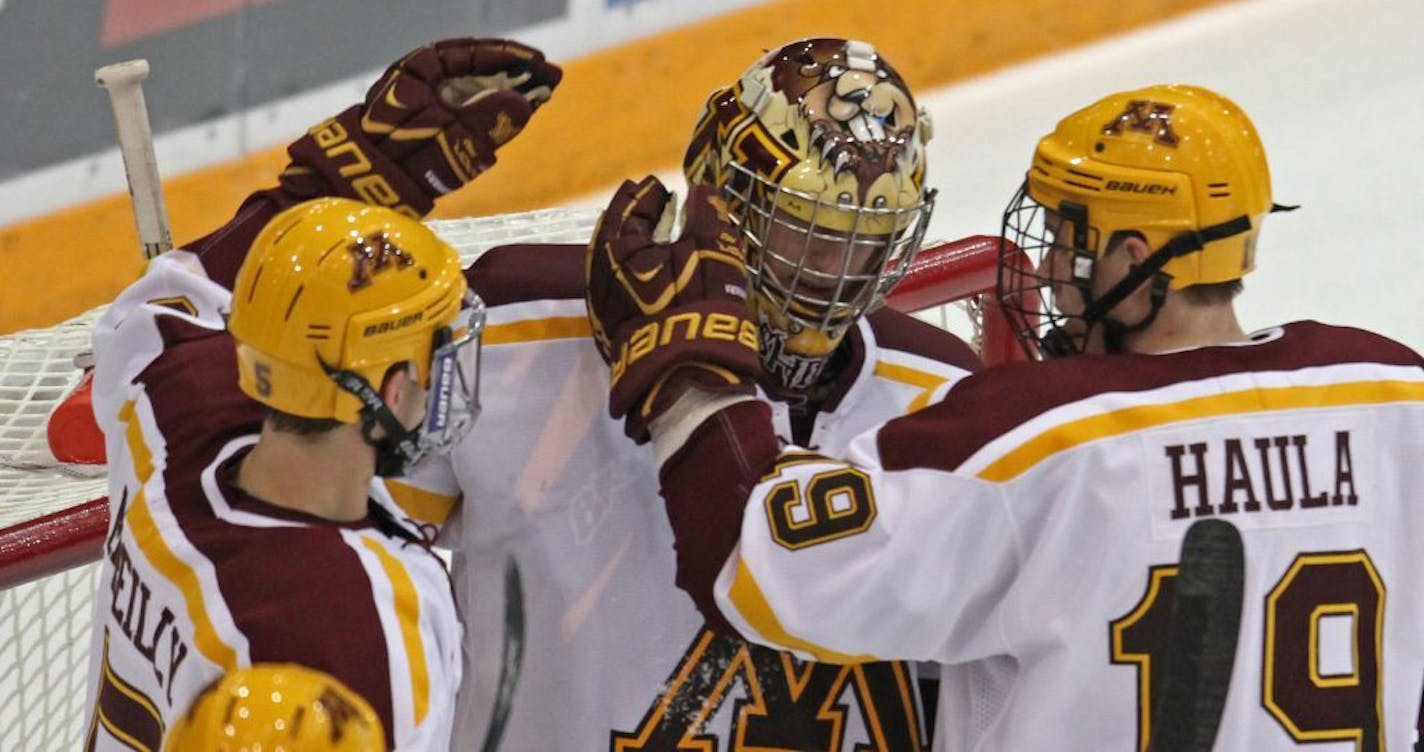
x=36, y=372
x=44, y=656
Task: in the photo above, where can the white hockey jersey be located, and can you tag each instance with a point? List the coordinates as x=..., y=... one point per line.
x=200, y=578
x=616, y=657
x=1025, y=531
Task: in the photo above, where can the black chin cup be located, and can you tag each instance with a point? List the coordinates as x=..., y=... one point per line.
x=1056, y=343
x=400, y=446
x=393, y=453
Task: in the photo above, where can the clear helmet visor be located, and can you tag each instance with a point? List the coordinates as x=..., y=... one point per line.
x=453, y=399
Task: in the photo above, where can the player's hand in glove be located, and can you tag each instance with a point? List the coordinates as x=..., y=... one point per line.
x=666, y=313
x=429, y=125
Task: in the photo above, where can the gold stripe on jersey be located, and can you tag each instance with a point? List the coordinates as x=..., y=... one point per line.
x=109, y=680
x=925, y=380
x=1106, y=425
x=150, y=541
x=751, y=603
x=536, y=330
x=138, y=448
x=423, y=505
x=407, y=606
x=179, y=303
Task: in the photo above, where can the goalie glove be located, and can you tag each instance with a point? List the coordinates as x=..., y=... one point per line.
x=430, y=124
x=667, y=314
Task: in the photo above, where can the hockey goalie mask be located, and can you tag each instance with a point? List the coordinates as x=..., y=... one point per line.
x=1179, y=166
x=820, y=150
x=332, y=295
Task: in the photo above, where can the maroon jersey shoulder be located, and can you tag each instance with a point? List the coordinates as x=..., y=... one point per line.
x=192, y=387
x=222, y=250
x=900, y=331
x=521, y=273
x=270, y=578
x=1315, y=343
x=988, y=404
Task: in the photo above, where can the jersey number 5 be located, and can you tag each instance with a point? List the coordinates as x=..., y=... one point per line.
x=1310, y=702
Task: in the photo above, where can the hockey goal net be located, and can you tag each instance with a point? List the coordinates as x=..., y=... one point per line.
x=53, y=514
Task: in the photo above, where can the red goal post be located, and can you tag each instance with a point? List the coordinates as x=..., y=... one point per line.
x=53, y=515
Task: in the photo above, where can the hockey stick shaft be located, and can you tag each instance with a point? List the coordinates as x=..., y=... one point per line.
x=1203, y=633
x=511, y=655
x=124, y=83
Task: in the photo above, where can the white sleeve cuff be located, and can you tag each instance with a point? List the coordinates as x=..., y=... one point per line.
x=674, y=427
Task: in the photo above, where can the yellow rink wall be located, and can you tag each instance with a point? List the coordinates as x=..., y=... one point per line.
x=621, y=112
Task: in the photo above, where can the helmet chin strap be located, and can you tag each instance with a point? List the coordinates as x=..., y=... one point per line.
x=399, y=447
x=1115, y=332
x=1058, y=342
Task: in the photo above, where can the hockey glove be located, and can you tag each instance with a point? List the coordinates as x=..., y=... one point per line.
x=429, y=125
x=665, y=313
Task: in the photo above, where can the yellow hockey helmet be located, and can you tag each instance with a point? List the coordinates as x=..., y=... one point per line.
x=335, y=284
x=1161, y=161
x=1180, y=165
x=278, y=708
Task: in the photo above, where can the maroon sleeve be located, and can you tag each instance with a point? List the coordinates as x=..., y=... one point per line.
x=197, y=361
x=900, y=331
x=520, y=273
x=222, y=250
x=705, y=485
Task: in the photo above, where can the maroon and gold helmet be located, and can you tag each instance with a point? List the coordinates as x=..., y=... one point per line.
x=820, y=150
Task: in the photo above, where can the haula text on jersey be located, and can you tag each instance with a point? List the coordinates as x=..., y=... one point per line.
x=1263, y=473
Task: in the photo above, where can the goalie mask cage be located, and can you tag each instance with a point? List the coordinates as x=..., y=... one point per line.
x=53, y=515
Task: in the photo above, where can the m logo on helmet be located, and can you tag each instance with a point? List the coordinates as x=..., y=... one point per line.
x=372, y=255
x=341, y=711
x=1142, y=116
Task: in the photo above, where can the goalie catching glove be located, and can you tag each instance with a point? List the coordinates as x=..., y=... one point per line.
x=430, y=124
x=667, y=314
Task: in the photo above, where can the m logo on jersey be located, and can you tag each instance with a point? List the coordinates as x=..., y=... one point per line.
x=786, y=704
x=1142, y=116
x=372, y=255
